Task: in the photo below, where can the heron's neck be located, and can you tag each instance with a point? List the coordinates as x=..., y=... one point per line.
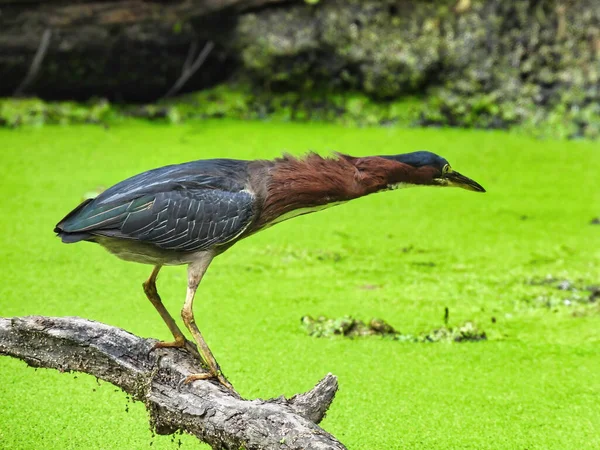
x=294, y=186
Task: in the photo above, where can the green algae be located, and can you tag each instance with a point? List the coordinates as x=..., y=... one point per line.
x=16, y=112
x=235, y=102
x=349, y=327
x=241, y=101
x=403, y=255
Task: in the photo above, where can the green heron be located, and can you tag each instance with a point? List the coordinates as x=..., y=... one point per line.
x=189, y=213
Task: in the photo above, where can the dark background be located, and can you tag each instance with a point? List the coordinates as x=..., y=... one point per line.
x=471, y=63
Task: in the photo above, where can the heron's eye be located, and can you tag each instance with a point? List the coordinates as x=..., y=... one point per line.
x=446, y=169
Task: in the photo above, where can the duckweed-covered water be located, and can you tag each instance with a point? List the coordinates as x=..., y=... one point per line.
x=520, y=262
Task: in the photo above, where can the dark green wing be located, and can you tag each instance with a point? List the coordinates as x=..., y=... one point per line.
x=173, y=209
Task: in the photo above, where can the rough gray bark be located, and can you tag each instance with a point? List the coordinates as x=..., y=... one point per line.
x=202, y=408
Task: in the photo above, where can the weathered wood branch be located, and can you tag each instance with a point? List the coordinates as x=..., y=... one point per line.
x=204, y=409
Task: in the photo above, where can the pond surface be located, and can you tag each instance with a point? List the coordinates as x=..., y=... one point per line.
x=519, y=261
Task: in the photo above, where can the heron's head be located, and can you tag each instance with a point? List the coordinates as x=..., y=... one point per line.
x=433, y=170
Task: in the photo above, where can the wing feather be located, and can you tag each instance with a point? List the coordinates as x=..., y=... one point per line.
x=191, y=206
x=179, y=220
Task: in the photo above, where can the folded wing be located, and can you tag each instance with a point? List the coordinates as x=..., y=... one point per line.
x=186, y=212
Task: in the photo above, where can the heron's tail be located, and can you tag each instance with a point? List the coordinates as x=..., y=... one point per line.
x=68, y=237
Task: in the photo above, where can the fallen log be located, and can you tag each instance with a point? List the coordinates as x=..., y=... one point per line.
x=125, y=50
x=203, y=408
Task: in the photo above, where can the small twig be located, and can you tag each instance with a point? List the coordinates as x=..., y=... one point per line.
x=190, y=69
x=190, y=56
x=36, y=63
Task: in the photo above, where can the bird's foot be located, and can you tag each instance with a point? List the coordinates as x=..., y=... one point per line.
x=207, y=376
x=178, y=343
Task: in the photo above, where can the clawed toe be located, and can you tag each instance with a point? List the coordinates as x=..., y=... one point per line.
x=198, y=376
x=208, y=376
x=179, y=343
x=183, y=343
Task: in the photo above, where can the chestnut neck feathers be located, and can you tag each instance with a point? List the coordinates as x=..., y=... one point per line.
x=312, y=182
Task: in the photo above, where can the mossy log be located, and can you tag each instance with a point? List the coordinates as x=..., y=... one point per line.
x=476, y=63
x=205, y=409
x=130, y=50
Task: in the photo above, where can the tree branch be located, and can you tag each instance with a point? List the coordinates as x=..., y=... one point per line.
x=189, y=67
x=202, y=408
x=35, y=63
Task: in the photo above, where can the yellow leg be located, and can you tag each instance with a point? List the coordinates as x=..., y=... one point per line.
x=152, y=294
x=195, y=272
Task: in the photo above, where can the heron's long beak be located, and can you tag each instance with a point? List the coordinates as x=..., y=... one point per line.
x=455, y=179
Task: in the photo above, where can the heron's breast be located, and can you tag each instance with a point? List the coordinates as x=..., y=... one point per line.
x=302, y=211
